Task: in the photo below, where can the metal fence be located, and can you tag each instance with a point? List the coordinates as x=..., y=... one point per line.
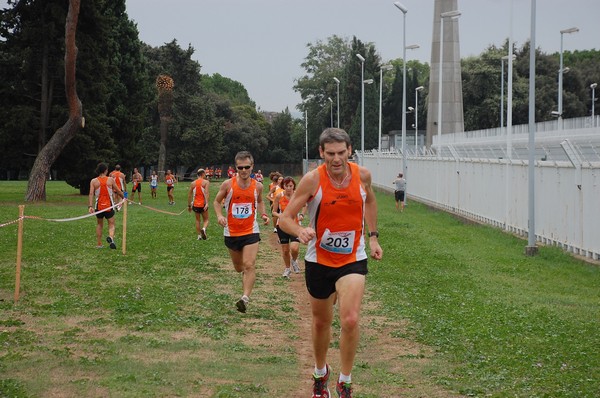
x=484, y=180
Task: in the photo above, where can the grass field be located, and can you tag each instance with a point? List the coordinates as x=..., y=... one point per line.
x=487, y=321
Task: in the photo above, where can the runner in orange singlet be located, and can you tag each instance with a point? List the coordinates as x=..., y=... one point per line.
x=340, y=200
x=198, y=202
x=243, y=203
x=136, y=179
x=170, y=180
x=275, y=188
x=101, y=198
x=290, y=245
x=119, y=177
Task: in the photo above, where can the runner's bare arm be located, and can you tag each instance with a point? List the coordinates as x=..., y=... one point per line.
x=261, y=203
x=207, y=193
x=371, y=213
x=217, y=206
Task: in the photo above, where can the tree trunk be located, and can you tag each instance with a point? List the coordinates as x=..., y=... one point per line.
x=162, y=151
x=36, y=188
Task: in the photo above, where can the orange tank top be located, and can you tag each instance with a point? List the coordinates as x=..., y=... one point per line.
x=337, y=216
x=199, y=195
x=241, y=204
x=283, y=203
x=104, y=198
x=119, y=178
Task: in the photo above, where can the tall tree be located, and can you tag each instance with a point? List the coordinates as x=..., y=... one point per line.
x=36, y=188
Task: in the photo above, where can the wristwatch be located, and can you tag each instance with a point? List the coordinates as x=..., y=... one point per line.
x=374, y=233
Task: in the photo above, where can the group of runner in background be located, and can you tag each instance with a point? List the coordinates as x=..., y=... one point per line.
x=340, y=200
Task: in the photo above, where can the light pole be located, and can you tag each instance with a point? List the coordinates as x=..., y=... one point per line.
x=593, y=87
x=306, y=132
x=337, y=82
x=331, y=109
x=560, y=75
x=404, y=10
x=417, y=117
x=362, y=107
x=449, y=14
x=502, y=90
x=384, y=67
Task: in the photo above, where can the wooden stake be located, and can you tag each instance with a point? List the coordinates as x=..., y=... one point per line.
x=125, y=226
x=19, y=251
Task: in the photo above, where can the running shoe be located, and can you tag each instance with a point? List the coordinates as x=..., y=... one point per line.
x=242, y=304
x=320, y=389
x=111, y=241
x=343, y=389
x=287, y=272
x=203, y=233
x=295, y=266
x=199, y=237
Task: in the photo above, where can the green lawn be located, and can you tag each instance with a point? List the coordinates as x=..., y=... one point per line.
x=160, y=320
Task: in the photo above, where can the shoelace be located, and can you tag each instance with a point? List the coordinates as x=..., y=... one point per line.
x=346, y=390
x=319, y=384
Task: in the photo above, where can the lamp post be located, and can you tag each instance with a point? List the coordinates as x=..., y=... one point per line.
x=593, y=87
x=404, y=10
x=449, y=14
x=337, y=82
x=362, y=107
x=331, y=109
x=502, y=90
x=306, y=132
x=384, y=67
x=560, y=75
x=417, y=117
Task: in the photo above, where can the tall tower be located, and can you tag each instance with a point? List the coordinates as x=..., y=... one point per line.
x=452, y=98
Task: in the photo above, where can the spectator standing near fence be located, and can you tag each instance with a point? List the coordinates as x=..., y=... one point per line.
x=243, y=203
x=340, y=201
x=101, y=198
x=399, y=192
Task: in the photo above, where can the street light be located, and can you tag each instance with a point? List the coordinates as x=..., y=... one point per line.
x=449, y=14
x=337, y=82
x=417, y=116
x=404, y=10
x=560, y=74
x=362, y=107
x=331, y=109
x=593, y=87
x=502, y=90
x=384, y=67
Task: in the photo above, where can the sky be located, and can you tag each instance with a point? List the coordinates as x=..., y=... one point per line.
x=261, y=43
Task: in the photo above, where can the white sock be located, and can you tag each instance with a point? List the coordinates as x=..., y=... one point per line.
x=320, y=372
x=245, y=298
x=345, y=378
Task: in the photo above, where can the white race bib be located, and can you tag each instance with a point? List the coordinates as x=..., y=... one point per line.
x=341, y=242
x=241, y=210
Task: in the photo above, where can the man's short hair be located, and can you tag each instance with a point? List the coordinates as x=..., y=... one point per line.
x=200, y=172
x=244, y=155
x=333, y=134
x=101, y=168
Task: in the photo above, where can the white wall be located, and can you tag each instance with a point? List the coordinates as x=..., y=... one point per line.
x=495, y=191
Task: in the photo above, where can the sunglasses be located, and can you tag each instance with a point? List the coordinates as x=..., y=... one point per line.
x=243, y=167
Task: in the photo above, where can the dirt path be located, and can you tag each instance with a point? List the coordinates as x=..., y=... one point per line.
x=394, y=366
